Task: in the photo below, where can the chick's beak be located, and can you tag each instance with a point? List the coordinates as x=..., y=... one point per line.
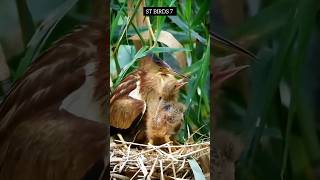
x=181, y=83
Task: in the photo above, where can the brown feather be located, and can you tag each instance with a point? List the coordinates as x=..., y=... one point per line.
x=124, y=111
x=166, y=122
x=127, y=85
x=52, y=146
x=37, y=139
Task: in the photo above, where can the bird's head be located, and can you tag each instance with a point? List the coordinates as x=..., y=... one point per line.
x=171, y=87
x=153, y=64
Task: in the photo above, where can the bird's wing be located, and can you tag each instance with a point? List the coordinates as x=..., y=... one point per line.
x=58, y=73
x=124, y=111
x=38, y=137
x=126, y=104
x=70, y=142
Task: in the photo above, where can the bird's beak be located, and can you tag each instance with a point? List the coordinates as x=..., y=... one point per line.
x=181, y=83
x=228, y=44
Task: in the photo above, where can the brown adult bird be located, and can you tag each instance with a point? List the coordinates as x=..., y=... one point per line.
x=136, y=98
x=51, y=121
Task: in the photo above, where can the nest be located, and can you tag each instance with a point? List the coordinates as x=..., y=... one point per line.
x=130, y=160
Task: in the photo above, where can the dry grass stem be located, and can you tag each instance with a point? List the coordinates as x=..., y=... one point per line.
x=130, y=160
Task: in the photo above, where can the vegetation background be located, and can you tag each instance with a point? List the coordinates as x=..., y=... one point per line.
x=28, y=27
x=274, y=104
x=190, y=55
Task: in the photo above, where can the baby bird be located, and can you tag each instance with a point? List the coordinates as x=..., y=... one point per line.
x=171, y=88
x=167, y=114
x=166, y=122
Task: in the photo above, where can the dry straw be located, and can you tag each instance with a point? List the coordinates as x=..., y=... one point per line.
x=130, y=160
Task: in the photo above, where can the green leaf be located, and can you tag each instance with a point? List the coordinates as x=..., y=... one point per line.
x=197, y=171
x=268, y=20
x=114, y=24
x=26, y=21
x=185, y=27
x=141, y=53
x=41, y=35
x=167, y=49
x=202, y=14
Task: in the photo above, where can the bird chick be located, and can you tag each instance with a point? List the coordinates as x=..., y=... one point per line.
x=165, y=116
x=166, y=122
x=171, y=88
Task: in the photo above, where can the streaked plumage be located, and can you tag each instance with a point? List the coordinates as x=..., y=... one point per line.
x=226, y=151
x=136, y=98
x=126, y=103
x=44, y=133
x=166, y=122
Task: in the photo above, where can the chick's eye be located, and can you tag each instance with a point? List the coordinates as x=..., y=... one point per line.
x=167, y=107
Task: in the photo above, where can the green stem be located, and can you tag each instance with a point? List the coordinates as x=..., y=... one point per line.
x=26, y=21
x=115, y=52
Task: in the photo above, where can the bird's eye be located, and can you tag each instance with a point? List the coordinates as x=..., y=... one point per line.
x=167, y=107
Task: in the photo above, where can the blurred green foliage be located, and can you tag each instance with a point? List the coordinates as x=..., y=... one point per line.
x=277, y=120
x=28, y=27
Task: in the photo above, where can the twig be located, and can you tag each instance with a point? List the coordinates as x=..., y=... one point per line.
x=161, y=169
x=153, y=167
x=149, y=161
x=118, y=176
x=135, y=174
